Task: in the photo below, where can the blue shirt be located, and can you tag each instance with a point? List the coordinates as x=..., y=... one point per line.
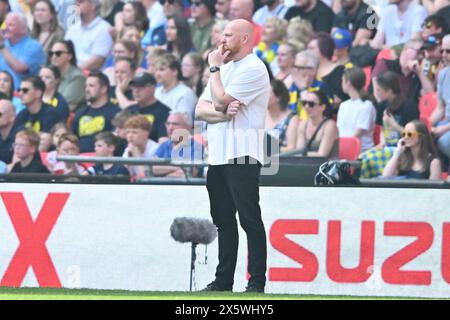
x=29, y=52
x=191, y=152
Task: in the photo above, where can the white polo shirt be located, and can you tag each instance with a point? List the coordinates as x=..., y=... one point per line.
x=90, y=40
x=247, y=81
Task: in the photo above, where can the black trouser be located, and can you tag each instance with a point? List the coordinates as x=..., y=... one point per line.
x=234, y=187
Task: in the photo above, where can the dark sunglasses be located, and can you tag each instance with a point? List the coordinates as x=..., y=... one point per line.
x=23, y=90
x=410, y=134
x=303, y=67
x=196, y=4
x=310, y=104
x=56, y=53
x=445, y=50
x=168, y=1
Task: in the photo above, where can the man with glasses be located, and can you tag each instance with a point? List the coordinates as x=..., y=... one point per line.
x=20, y=54
x=203, y=12
x=26, y=156
x=304, y=76
x=441, y=115
x=38, y=116
x=90, y=36
x=179, y=147
x=143, y=87
x=8, y=130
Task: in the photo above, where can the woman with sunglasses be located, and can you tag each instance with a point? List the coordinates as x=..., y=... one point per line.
x=72, y=85
x=7, y=87
x=318, y=135
x=45, y=25
x=52, y=77
x=416, y=156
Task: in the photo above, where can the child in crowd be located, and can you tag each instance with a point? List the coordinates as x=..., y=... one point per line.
x=105, y=146
x=26, y=159
x=68, y=145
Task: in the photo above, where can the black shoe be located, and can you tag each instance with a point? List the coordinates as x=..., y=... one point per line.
x=251, y=288
x=214, y=286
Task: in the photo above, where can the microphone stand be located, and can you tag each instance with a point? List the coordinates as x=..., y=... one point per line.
x=193, y=258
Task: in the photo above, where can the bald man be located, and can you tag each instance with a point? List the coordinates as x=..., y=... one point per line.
x=20, y=54
x=234, y=104
x=7, y=130
x=243, y=9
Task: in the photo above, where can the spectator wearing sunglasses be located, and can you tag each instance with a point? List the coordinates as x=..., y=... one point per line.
x=38, y=116
x=441, y=115
x=415, y=157
x=20, y=54
x=317, y=136
x=62, y=55
x=203, y=12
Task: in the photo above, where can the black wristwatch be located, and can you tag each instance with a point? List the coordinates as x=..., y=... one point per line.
x=214, y=69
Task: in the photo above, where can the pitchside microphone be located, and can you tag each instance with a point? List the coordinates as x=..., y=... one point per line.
x=194, y=230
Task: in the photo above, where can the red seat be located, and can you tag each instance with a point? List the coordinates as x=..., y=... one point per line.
x=385, y=54
x=427, y=121
x=427, y=104
x=368, y=72
x=376, y=134
x=349, y=148
x=87, y=154
x=44, y=159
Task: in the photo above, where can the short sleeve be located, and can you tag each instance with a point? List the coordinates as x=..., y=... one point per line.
x=248, y=84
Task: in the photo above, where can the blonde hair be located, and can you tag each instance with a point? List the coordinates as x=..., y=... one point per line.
x=31, y=136
x=299, y=31
x=280, y=27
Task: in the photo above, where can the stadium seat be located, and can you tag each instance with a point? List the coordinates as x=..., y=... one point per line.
x=44, y=158
x=87, y=154
x=427, y=104
x=368, y=72
x=376, y=133
x=70, y=119
x=444, y=176
x=349, y=148
x=427, y=121
x=385, y=54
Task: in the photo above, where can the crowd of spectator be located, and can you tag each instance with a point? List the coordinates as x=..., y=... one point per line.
x=122, y=78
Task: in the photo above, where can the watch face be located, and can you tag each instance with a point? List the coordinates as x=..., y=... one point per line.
x=214, y=69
